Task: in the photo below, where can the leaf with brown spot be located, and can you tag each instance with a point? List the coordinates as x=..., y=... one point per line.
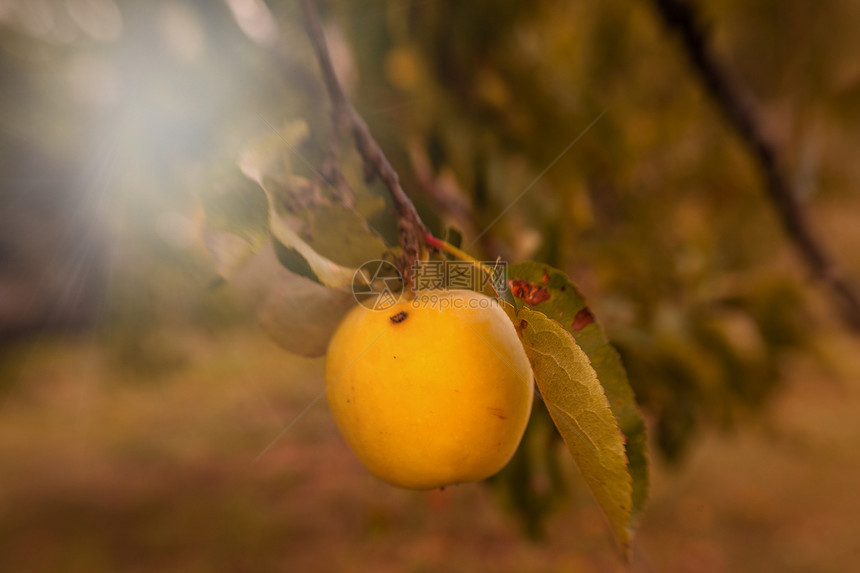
x=567, y=306
x=528, y=292
x=582, y=319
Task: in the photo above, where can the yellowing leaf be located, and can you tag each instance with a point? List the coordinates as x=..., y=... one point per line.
x=579, y=407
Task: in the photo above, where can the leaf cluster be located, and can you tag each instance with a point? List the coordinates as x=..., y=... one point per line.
x=270, y=212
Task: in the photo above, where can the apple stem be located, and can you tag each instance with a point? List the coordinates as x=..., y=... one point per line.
x=441, y=245
x=447, y=247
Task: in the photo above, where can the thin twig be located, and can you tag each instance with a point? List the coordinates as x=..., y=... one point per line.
x=412, y=229
x=681, y=17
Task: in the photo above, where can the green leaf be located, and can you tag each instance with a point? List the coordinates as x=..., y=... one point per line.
x=301, y=316
x=298, y=314
x=306, y=261
x=580, y=410
x=315, y=238
x=550, y=291
x=293, y=261
x=342, y=235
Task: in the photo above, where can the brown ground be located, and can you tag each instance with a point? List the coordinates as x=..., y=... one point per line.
x=156, y=473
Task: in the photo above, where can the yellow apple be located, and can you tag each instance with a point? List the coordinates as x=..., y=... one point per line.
x=430, y=392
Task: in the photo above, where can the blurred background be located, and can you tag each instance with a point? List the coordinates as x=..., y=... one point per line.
x=135, y=396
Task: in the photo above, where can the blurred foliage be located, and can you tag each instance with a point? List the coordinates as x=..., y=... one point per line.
x=655, y=211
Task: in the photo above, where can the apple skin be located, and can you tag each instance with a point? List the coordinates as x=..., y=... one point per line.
x=430, y=392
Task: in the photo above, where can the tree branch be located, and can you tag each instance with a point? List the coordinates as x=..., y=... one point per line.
x=346, y=119
x=681, y=17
